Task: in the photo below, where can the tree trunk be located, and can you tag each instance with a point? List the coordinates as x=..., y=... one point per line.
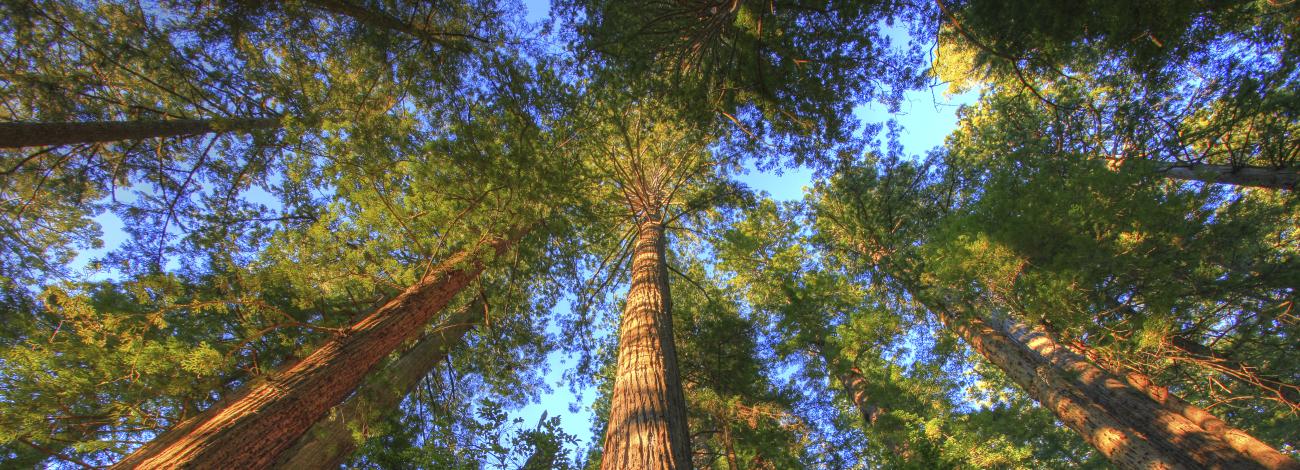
x=266, y=419
x=856, y=386
x=1125, y=447
x=730, y=446
x=1242, y=442
x=647, y=419
x=1253, y=176
x=330, y=441
x=1162, y=425
x=381, y=20
x=35, y=134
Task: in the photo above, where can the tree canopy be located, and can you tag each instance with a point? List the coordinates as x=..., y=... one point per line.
x=366, y=232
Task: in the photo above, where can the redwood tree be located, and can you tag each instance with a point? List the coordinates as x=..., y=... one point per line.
x=253, y=427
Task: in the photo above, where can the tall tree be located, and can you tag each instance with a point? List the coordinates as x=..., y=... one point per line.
x=255, y=427
x=650, y=161
x=1084, y=404
x=17, y=135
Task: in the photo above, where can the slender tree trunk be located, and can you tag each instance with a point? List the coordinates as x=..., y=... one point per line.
x=1116, y=440
x=732, y=464
x=381, y=20
x=1161, y=424
x=647, y=420
x=1257, y=177
x=253, y=428
x=330, y=441
x=856, y=386
x=35, y=134
x=1241, y=441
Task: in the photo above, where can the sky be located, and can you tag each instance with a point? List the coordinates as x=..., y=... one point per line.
x=926, y=117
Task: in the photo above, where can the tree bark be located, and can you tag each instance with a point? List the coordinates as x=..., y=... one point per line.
x=647, y=420
x=1241, y=441
x=1252, y=176
x=35, y=134
x=1124, y=446
x=856, y=386
x=1163, y=425
x=330, y=441
x=381, y=20
x=730, y=446
x=254, y=427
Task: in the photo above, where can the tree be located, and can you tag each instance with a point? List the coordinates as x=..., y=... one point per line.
x=1115, y=404
x=17, y=135
x=1124, y=82
x=650, y=161
x=329, y=442
x=263, y=421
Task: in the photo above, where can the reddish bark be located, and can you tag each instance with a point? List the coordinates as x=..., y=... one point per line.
x=1241, y=441
x=1164, y=426
x=331, y=440
x=1119, y=442
x=254, y=427
x=647, y=420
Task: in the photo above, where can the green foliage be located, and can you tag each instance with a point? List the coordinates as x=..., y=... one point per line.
x=414, y=130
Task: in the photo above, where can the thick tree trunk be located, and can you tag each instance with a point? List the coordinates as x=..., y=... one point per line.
x=1163, y=425
x=1257, y=177
x=1263, y=454
x=1116, y=440
x=253, y=428
x=35, y=134
x=330, y=441
x=647, y=419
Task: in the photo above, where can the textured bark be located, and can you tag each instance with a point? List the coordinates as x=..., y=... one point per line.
x=253, y=428
x=647, y=418
x=331, y=440
x=1253, y=176
x=1241, y=441
x=1162, y=425
x=35, y=134
x=1125, y=447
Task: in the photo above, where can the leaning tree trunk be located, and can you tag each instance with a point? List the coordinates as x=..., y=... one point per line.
x=851, y=378
x=330, y=441
x=1241, y=441
x=254, y=427
x=381, y=20
x=1164, y=425
x=35, y=134
x=1253, y=176
x=647, y=418
x=1116, y=440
